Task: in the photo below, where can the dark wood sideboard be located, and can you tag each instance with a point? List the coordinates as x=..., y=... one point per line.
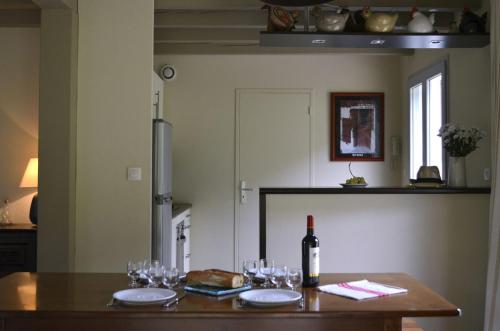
x=17, y=248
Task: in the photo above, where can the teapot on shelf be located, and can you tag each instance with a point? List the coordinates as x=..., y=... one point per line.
x=471, y=22
x=330, y=21
x=421, y=23
x=280, y=19
x=379, y=22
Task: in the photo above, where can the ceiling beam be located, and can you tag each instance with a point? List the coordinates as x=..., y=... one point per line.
x=164, y=48
x=211, y=19
x=20, y=18
x=57, y=4
x=18, y=5
x=206, y=36
x=255, y=4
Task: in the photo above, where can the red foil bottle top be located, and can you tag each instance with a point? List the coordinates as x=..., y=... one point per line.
x=310, y=222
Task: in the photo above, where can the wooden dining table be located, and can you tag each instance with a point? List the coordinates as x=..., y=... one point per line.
x=78, y=301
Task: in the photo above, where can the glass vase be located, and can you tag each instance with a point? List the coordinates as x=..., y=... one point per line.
x=456, y=171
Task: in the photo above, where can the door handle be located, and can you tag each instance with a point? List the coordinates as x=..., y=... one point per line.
x=243, y=191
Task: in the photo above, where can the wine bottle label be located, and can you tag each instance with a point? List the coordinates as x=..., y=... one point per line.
x=314, y=262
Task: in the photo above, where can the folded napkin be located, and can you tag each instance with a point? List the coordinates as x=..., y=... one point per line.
x=361, y=289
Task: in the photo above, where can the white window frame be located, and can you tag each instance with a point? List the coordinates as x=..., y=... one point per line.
x=421, y=77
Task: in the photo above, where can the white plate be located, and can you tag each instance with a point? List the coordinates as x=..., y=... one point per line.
x=270, y=297
x=144, y=296
x=344, y=185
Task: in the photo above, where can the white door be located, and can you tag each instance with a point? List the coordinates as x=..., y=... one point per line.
x=273, y=149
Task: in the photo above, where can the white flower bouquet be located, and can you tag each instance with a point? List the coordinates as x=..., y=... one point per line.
x=458, y=141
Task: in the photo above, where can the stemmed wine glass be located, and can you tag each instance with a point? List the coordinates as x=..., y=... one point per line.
x=250, y=270
x=265, y=267
x=146, y=265
x=171, y=277
x=155, y=273
x=294, y=278
x=133, y=272
x=278, y=274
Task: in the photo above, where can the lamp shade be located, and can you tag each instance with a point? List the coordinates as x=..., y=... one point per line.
x=30, y=177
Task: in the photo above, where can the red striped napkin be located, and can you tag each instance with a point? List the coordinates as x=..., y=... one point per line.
x=362, y=289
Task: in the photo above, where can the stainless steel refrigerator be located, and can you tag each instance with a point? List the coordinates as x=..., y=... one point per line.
x=161, y=236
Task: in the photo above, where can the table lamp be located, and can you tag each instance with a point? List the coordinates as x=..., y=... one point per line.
x=30, y=179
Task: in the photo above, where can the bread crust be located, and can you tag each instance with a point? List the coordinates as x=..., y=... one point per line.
x=215, y=277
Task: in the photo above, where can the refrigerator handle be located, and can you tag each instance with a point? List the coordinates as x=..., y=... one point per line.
x=157, y=104
x=162, y=199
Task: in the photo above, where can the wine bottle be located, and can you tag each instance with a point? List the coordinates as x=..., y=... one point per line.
x=310, y=256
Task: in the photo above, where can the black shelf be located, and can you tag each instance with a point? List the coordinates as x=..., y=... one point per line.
x=373, y=40
x=373, y=190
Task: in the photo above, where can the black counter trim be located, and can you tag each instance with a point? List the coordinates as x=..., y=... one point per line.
x=264, y=191
x=374, y=190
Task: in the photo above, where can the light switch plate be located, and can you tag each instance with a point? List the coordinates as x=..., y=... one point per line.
x=486, y=174
x=134, y=174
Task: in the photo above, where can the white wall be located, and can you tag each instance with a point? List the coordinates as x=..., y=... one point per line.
x=114, y=131
x=427, y=243
x=441, y=240
x=200, y=103
x=19, y=62
x=55, y=237
x=469, y=100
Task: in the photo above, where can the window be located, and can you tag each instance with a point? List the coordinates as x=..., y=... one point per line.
x=428, y=100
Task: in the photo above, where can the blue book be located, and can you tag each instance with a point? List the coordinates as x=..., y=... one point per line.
x=216, y=291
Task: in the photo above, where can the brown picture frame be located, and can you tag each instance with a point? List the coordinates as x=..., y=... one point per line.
x=357, y=126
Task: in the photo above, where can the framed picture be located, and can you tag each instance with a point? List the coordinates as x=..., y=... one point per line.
x=357, y=128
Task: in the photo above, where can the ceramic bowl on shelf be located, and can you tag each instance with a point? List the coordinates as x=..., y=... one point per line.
x=421, y=23
x=379, y=22
x=329, y=21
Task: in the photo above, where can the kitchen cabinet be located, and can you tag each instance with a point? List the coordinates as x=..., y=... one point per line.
x=181, y=222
